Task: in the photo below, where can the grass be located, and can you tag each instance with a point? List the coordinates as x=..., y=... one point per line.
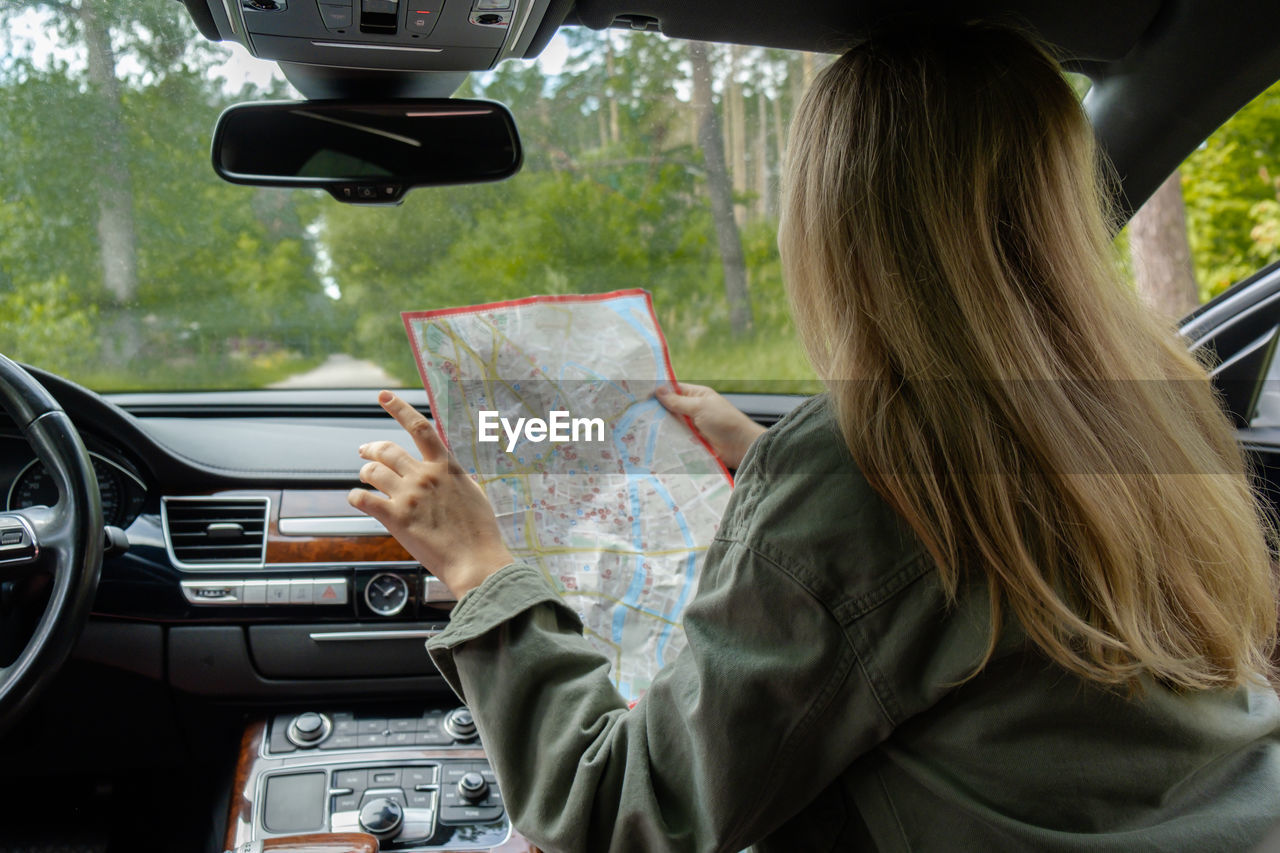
x=188, y=373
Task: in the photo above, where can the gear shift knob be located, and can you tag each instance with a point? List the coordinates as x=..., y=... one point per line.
x=324, y=842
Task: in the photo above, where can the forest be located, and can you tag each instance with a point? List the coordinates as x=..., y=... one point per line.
x=126, y=264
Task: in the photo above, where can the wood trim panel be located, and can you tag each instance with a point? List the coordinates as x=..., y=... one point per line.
x=328, y=842
x=240, y=815
x=333, y=549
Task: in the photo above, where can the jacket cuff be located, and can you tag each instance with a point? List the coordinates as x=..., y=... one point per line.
x=506, y=593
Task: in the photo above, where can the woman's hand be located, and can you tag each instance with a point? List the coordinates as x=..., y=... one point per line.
x=727, y=429
x=432, y=508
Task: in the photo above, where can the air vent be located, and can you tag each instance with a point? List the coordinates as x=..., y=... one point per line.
x=214, y=533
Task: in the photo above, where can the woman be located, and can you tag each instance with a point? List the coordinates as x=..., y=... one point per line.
x=1003, y=587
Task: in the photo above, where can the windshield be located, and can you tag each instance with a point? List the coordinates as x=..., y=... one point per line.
x=126, y=264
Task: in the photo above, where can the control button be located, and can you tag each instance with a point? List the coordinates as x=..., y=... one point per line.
x=451, y=774
x=307, y=730
x=422, y=799
x=402, y=725
x=255, y=592
x=346, y=726
x=488, y=5
x=453, y=809
x=393, y=794
x=401, y=738
x=476, y=814
x=460, y=724
x=421, y=16
x=415, y=776
x=371, y=725
x=473, y=787
x=11, y=537
x=386, y=777
x=432, y=738
x=329, y=590
x=213, y=592
x=335, y=17
x=381, y=817
x=278, y=592
x=340, y=742
x=309, y=725
x=346, y=803
x=356, y=780
x=300, y=591
x=379, y=739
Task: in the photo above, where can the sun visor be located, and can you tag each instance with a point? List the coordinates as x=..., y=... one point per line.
x=380, y=35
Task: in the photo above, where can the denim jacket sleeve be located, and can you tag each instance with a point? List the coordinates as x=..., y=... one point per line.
x=768, y=703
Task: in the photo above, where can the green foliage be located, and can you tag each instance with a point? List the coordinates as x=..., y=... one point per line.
x=1231, y=186
x=47, y=325
x=227, y=289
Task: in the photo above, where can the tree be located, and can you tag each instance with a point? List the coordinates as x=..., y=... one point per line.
x=1231, y=185
x=721, y=192
x=1161, y=254
x=191, y=281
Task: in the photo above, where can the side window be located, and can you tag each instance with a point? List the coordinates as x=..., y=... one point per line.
x=1216, y=219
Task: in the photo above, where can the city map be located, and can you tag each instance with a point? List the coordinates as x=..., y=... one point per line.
x=549, y=402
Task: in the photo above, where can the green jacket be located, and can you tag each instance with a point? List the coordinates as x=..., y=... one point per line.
x=816, y=705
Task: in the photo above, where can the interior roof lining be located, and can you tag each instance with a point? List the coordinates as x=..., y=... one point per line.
x=1084, y=30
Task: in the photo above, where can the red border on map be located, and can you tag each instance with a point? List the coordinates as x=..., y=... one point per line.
x=407, y=316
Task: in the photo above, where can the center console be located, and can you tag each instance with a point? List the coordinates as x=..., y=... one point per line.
x=417, y=779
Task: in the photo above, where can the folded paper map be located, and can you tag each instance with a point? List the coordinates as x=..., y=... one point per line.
x=549, y=402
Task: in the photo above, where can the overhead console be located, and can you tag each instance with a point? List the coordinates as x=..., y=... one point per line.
x=388, y=35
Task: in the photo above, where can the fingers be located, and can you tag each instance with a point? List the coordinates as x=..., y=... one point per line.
x=379, y=476
x=369, y=503
x=389, y=454
x=423, y=433
x=681, y=404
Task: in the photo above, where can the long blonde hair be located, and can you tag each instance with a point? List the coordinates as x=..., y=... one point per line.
x=947, y=254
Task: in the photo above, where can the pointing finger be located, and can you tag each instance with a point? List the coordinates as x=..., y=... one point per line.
x=423, y=433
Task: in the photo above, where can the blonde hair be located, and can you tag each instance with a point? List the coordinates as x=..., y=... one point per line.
x=948, y=258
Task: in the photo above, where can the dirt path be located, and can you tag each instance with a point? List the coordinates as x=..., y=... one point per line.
x=341, y=371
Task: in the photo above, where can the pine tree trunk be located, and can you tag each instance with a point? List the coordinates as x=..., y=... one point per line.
x=615, y=133
x=779, y=142
x=762, y=156
x=738, y=133
x=711, y=142
x=1161, y=254
x=117, y=240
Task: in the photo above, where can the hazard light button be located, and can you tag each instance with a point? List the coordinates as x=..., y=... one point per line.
x=329, y=591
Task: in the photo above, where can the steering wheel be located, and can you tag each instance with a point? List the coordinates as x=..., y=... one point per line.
x=65, y=540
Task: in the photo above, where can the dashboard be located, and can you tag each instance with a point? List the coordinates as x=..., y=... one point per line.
x=248, y=576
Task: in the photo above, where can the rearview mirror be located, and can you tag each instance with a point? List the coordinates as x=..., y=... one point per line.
x=366, y=153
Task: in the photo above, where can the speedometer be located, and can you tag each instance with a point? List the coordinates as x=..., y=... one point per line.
x=122, y=498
